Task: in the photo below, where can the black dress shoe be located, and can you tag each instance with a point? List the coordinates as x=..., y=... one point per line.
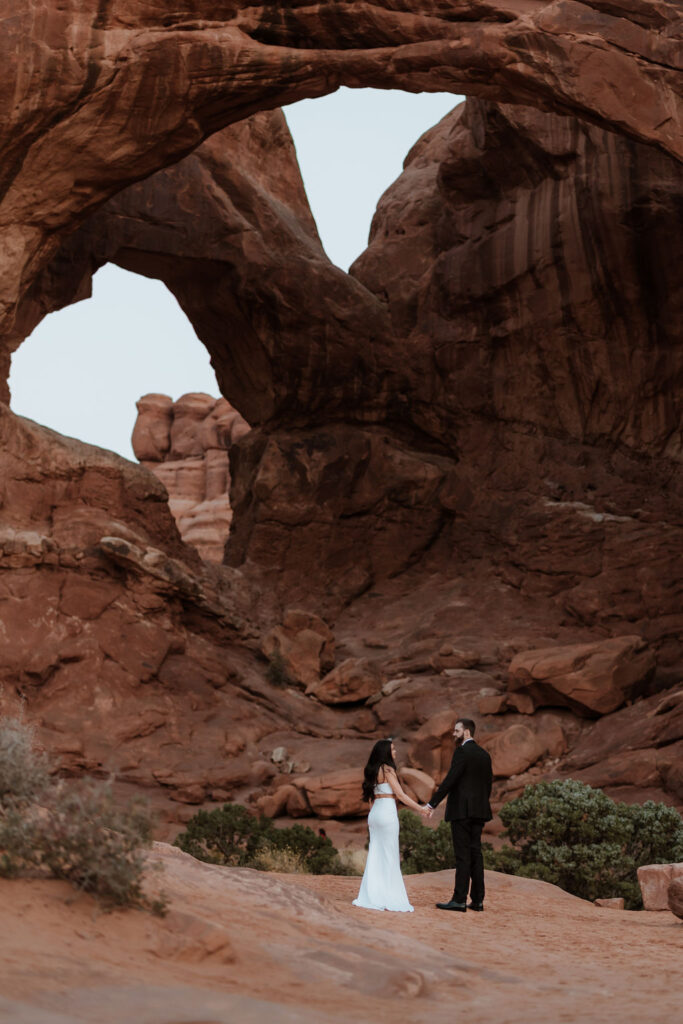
x=452, y=905
x=475, y=906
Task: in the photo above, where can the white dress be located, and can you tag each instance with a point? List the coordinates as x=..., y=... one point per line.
x=382, y=886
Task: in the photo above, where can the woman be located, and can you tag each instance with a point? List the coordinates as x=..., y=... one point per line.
x=382, y=886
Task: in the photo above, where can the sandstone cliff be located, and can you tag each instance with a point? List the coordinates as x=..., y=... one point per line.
x=463, y=455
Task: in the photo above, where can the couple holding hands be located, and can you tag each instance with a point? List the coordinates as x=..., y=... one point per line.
x=467, y=787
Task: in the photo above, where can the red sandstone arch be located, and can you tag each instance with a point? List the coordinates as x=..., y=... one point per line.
x=104, y=94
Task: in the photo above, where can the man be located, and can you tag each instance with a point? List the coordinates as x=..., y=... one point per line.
x=468, y=785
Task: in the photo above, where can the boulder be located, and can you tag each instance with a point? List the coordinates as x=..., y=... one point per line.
x=493, y=704
x=654, y=881
x=332, y=795
x=432, y=746
x=353, y=680
x=594, y=678
x=304, y=642
x=675, y=897
x=417, y=784
x=336, y=794
x=521, y=745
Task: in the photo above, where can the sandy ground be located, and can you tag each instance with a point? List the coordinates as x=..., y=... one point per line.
x=243, y=946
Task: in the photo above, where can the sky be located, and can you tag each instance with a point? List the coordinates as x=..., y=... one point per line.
x=83, y=368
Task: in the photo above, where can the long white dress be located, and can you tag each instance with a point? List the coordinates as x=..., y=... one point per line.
x=382, y=886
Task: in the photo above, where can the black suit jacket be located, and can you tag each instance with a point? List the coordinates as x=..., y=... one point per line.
x=468, y=784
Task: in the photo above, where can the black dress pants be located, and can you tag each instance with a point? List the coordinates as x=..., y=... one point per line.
x=469, y=860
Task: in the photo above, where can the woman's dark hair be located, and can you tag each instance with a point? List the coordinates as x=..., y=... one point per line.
x=381, y=754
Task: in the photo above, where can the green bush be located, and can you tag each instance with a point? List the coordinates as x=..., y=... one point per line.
x=422, y=848
x=228, y=835
x=231, y=835
x=78, y=833
x=579, y=839
x=316, y=853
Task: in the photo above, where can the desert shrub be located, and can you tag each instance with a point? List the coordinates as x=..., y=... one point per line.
x=228, y=835
x=96, y=845
x=78, y=833
x=423, y=848
x=277, y=673
x=317, y=853
x=24, y=770
x=576, y=837
x=231, y=835
x=284, y=861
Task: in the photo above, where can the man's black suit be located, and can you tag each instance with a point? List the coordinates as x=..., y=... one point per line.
x=468, y=786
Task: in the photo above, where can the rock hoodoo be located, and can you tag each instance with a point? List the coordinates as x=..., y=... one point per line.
x=186, y=444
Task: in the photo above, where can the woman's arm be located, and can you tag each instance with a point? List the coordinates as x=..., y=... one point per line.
x=392, y=779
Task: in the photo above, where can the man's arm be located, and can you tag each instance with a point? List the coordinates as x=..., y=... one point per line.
x=454, y=773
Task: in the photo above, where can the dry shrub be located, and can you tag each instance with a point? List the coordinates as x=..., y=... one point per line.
x=286, y=861
x=78, y=833
x=24, y=771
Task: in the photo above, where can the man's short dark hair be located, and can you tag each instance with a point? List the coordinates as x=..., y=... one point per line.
x=468, y=724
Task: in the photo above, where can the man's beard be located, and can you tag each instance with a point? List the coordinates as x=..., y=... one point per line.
x=459, y=741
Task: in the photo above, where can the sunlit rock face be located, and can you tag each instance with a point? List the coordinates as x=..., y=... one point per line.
x=186, y=444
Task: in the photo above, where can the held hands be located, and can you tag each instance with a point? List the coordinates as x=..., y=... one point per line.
x=426, y=811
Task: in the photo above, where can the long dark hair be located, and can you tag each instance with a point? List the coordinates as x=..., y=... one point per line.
x=380, y=755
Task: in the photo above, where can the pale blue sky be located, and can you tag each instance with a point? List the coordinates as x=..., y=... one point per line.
x=84, y=367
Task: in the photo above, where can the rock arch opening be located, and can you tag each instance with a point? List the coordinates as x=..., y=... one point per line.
x=84, y=367
x=351, y=146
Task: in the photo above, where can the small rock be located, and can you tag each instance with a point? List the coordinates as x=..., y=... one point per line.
x=612, y=903
x=654, y=881
x=391, y=686
x=279, y=755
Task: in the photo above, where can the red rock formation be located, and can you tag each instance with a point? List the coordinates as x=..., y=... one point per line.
x=596, y=678
x=77, y=146
x=354, y=679
x=304, y=644
x=132, y=656
x=484, y=413
x=186, y=444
